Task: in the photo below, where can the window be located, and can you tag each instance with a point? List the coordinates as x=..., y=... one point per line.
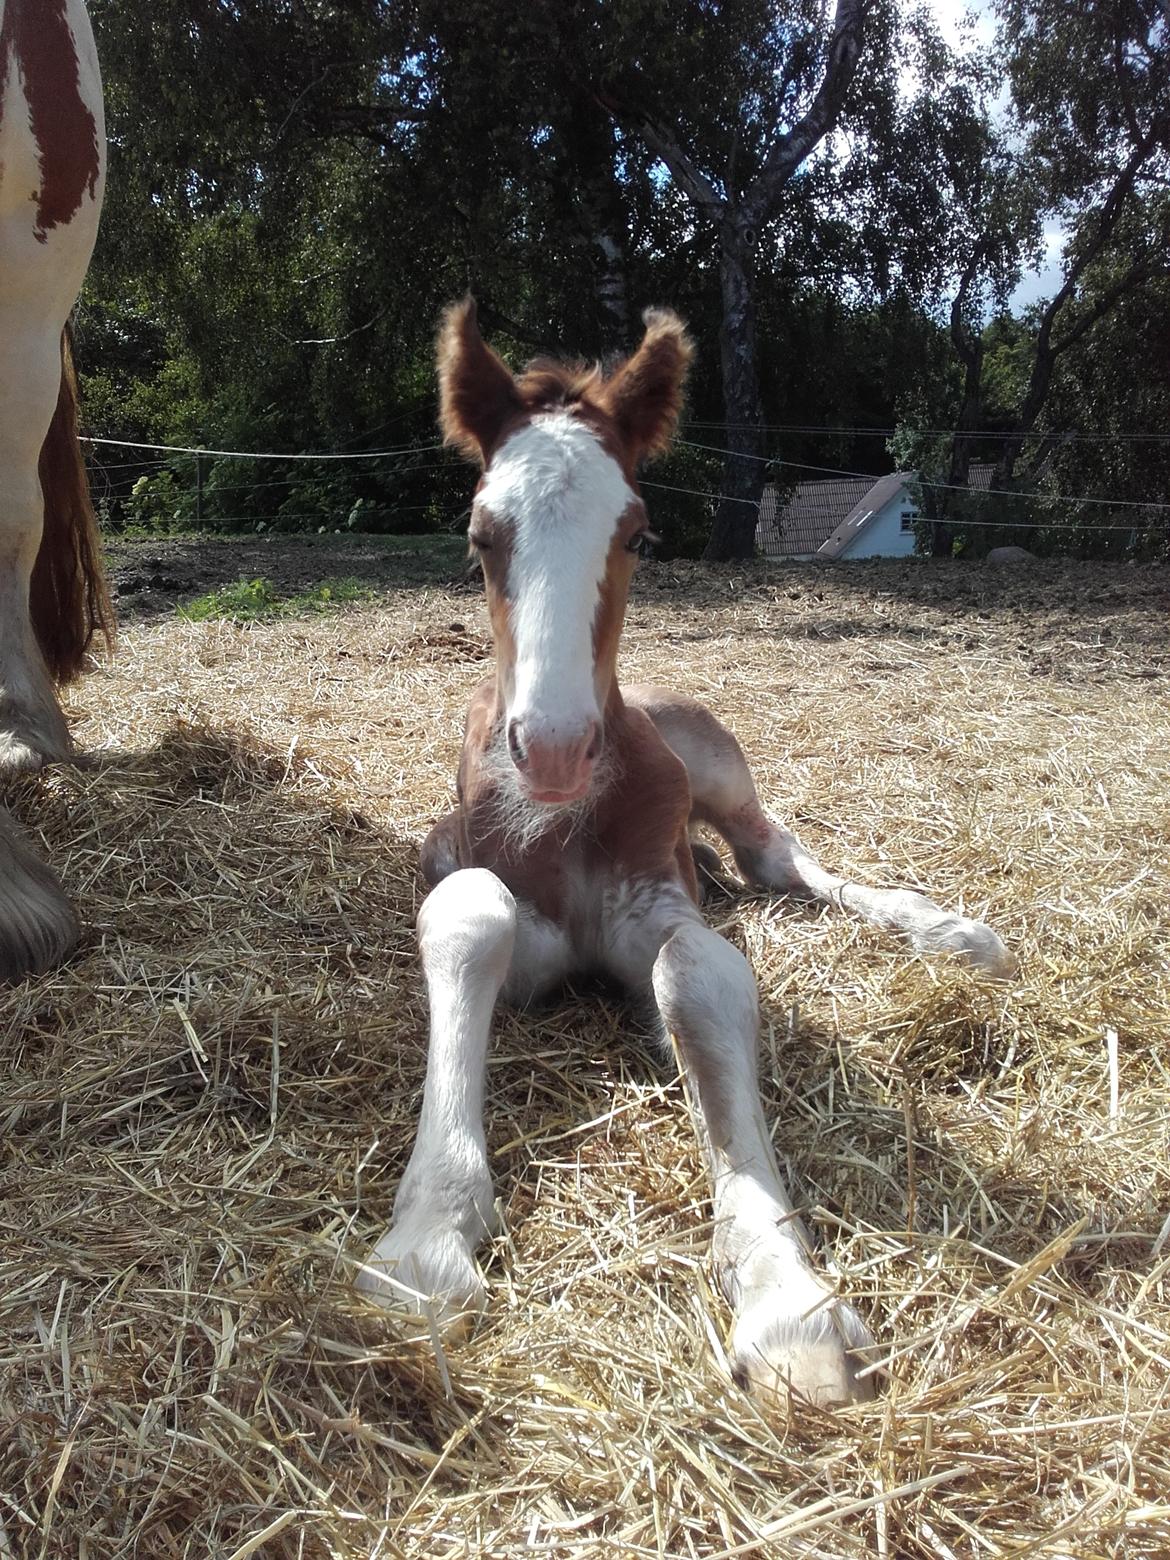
x=909, y=516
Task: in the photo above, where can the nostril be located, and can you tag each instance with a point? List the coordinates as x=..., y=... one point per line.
x=593, y=751
x=516, y=743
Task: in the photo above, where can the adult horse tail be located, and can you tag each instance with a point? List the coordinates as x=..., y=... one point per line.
x=69, y=601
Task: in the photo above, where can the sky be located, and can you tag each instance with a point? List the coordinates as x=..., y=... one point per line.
x=952, y=14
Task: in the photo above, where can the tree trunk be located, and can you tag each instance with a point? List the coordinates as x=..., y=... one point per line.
x=598, y=210
x=1038, y=387
x=950, y=500
x=733, y=534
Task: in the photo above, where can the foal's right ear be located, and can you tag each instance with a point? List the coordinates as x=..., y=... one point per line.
x=477, y=394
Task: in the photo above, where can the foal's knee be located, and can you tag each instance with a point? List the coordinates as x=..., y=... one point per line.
x=468, y=921
x=704, y=986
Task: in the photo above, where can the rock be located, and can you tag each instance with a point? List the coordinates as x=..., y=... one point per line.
x=1010, y=555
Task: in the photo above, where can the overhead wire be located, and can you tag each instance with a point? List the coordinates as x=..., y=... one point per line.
x=949, y=487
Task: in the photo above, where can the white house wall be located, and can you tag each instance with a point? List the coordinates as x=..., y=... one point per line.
x=883, y=536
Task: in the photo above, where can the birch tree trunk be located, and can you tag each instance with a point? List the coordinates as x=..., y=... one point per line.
x=733, y=534
x=741, y=213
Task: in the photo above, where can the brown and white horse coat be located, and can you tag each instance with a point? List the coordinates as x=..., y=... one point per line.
x=52, y=593
x=570, y=851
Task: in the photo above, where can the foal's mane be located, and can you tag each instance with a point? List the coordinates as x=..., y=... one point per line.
x=548, y=383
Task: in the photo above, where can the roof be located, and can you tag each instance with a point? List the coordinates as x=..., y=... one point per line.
x=810, y=516
x=871, y=503
x=824, y=516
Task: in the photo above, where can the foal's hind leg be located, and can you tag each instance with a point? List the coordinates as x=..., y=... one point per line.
x=723, y=795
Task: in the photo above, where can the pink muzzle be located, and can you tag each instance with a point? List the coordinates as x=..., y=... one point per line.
x=555, y=767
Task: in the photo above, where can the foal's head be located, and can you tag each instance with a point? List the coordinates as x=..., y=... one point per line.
x=558, y=524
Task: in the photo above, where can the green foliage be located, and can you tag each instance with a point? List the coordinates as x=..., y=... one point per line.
x=251, y=601
x=296, y=190
x=156, y=506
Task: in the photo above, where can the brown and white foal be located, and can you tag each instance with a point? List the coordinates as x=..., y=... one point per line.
x=570, y=851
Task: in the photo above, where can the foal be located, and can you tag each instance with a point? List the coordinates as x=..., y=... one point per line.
x=570, y=851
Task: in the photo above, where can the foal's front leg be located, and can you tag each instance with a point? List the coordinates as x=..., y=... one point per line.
x=425, y=1261
x=791, y=1334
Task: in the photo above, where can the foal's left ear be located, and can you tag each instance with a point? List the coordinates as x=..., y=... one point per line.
x=644, y=396
x=477, y=394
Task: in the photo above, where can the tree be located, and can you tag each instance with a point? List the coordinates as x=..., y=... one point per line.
x=1091, y=103
x=781, y=89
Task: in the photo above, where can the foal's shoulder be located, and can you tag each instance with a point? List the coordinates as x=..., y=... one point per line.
x=648, y=768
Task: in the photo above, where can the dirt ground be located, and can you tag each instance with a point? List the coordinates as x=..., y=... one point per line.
x=1068, y=620
x=208, y=1110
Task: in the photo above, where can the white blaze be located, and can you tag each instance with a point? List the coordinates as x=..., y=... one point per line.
x=563, y=496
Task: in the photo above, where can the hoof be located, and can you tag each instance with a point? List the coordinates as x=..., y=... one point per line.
x=425, y=1277
x=932, y=930
x=974, y=942
x=31, y=738
x=38, y=925
x=786, y=1358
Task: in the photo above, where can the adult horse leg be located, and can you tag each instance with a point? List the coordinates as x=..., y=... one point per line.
x=791, y=1334
x=32, y=727
x=52, y=157
x=723, y=795
x=38, y=925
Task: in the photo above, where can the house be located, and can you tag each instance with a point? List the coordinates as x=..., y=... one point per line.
x=845, y=517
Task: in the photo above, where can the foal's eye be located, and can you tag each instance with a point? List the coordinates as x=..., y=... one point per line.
x=480, y=543
x=642, y=543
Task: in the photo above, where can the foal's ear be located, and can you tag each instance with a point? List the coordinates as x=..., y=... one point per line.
x=477, y=393
x=644, y=396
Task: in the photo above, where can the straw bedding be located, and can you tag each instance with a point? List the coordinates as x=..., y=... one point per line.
x=206, y=1114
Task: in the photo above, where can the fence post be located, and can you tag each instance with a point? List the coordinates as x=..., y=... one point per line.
x=199, y=490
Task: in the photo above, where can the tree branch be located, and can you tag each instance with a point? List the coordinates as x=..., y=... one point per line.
x=1139, y=272
x=789, y=150
x=690, y=178
x=1106, y=222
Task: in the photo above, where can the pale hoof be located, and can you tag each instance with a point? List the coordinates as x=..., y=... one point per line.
x=30, y=739
x=972, y=941
x=978, y=945
x=425, y=1277
x=785, y=1358
x=38, y=925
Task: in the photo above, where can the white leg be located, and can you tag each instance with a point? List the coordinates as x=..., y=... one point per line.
x=783, y=863
x=444, y=1207
x=32, y=728
x=724, y=795
x=791, y=1335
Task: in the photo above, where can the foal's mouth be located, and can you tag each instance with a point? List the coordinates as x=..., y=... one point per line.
x=556, y=798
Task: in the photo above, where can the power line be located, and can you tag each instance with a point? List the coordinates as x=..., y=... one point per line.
x=699, y=493
x=947, y=487
x=943, y=433
x=185, y=449
x=212, y=488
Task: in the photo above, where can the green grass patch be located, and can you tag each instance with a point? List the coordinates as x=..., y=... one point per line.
x=251, y=601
